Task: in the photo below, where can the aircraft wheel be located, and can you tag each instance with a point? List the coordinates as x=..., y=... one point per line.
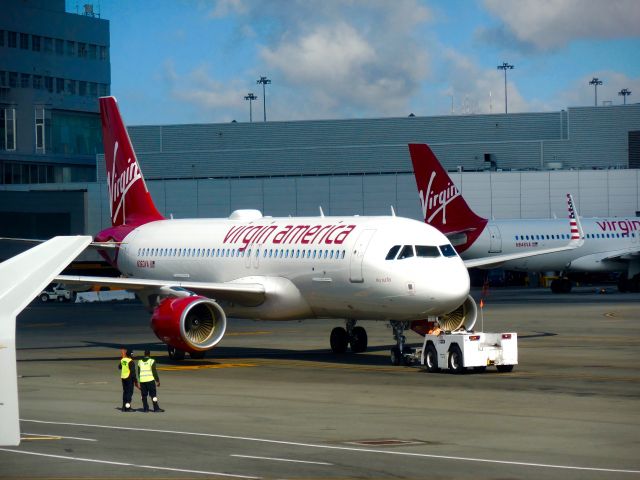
x=504, y=368
x=358, y=340
x=44, y=298
x=396, y=356
x=431, y=359
x=175, y=354
x=61, y=299
x=339, y=340
x=456, y=361
x=198, y=355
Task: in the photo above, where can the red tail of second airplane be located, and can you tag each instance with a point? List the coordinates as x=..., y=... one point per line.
x=129, y=198
x=442, y=204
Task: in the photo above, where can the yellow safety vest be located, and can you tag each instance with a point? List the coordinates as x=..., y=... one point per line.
x=125, y=367
x=145, y=370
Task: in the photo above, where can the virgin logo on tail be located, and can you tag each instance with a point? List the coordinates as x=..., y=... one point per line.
x=120, y=184
x=436, y=202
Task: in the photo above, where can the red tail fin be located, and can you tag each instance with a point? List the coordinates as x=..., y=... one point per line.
x=130, y=201
x=442, y=203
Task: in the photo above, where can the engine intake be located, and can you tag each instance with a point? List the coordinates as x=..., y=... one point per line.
x=192, y=324
x=463, y=316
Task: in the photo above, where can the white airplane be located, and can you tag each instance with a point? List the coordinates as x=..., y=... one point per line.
x=193, y=273
x=610, y=244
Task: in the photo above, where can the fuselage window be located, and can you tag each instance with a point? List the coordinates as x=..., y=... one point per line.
x=448, y=250
x=393, y=252
x=343, y=252
x=427, y=251
x=406, y=252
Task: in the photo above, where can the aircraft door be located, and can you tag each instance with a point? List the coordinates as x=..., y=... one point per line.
x=495, y=240
x=357, y=256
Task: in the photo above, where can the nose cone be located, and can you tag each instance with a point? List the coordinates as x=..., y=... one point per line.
x=448, y=289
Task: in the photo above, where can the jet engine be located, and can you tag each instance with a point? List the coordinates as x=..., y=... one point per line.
x=191, y=324
x=463, y=316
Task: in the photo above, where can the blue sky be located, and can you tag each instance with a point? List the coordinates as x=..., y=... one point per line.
x=194, y=61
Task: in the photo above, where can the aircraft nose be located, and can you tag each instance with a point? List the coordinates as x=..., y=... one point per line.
x=449, y=289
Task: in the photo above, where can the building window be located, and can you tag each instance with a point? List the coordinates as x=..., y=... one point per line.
x=13, y=79
x=82, y=49
x=59, y=85
x=71, y=87
x=25, y=80
x=7, y=128
x=3, y=78
x=48, y=84
x=24, y=41
x=59, y=46
x=82, y=88
x=48, y=45
x=93, y=51
x=12, y=39
x=1, y=38
x=35, y=43
x=103, y=53
x=103, y=89
x=71, y=48
x=42, y=123
x=93, y=89
x=37, y=82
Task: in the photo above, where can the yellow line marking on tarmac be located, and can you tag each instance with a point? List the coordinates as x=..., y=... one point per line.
x=241, y=334
x=39, y=437
x=208, y=366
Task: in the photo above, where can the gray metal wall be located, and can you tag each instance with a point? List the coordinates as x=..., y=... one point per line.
x=584, y=137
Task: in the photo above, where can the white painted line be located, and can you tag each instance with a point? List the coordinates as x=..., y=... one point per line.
x=60, y=436
x=349, y=449
x=281, y=459
x=124, y=464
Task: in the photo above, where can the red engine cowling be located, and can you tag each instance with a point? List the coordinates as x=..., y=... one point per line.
x=191, y=324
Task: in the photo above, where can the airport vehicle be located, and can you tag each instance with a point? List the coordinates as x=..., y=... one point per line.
x=610, y=244
x=56, y=292
x=193, y=273
x=459, y=351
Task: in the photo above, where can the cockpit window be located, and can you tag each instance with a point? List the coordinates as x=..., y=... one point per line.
x=448, y=251
x=427, y=251
x=393, y=252
x=406, y=252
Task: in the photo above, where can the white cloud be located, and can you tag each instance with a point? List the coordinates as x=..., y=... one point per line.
x=478, y=90
x=551, y=24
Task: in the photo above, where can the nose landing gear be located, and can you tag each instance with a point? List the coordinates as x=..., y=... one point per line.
x=399, y=353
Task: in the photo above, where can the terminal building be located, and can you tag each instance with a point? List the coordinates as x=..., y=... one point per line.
x=508, y=166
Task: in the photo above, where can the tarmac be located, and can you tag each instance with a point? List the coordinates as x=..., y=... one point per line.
x=271, y=401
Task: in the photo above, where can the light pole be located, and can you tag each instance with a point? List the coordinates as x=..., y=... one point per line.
x=595, y=82
x=624, y=92
x=251, y=97
x=264, y=81
x=505, y=66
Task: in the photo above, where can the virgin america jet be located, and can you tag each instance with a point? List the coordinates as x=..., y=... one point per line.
x=194, y=273
x=610, y=244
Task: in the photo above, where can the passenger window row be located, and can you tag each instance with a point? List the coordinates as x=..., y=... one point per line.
x=237, y=253
x=565, y=236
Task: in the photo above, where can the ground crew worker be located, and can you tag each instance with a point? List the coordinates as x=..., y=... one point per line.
x=128, y=376
x=148, y=379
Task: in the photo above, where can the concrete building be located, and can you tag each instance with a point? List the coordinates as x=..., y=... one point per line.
x=53, y=67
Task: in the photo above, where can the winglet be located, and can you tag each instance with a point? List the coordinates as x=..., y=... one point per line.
x=577, y=233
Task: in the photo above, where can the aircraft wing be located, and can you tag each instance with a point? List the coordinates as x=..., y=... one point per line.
x=247, y=293
x=22, y=278
x=623, y=255
x=38, y=241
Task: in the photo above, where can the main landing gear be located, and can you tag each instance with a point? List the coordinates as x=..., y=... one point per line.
x=353, y=336
x=401, y=350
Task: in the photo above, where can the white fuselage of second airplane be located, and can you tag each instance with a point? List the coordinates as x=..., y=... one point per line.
x=310, y=266
x=604, y=238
